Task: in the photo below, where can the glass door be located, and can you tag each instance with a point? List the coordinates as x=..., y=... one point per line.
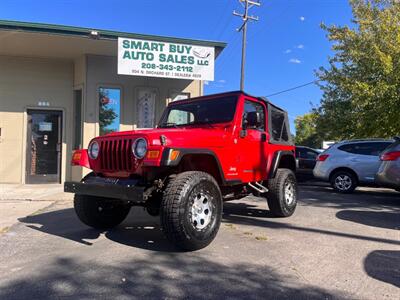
x=43, y=164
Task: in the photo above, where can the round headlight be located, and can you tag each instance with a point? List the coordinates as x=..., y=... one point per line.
x=139, y=148
x=94, y=150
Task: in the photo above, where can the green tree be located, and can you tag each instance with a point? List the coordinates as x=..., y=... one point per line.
x=361, y=86
x=306, y=130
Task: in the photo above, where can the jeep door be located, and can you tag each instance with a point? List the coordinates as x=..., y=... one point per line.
x=252, y=142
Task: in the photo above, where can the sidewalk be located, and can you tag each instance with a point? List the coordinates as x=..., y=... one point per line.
x=17, y=201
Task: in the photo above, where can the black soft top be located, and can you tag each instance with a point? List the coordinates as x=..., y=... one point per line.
x=262, y=98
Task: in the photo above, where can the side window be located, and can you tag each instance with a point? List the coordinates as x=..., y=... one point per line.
x=311, y=154
x=373, y=148
x=347, y=148
x=301, y=153
x=250, y=106
x=279, y=130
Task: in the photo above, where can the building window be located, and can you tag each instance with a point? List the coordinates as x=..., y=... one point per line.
x=77, y=143
x=110, y=107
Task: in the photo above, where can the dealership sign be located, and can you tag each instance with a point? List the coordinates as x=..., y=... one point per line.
x=168, y=60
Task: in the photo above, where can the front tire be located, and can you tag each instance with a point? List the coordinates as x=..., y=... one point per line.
x=191, y=210
x=343, y=182
x=282, y=193
x=98, y=212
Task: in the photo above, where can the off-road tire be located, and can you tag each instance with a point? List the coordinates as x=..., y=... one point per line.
x=344, y=174
x=98, y=212
x=278, y=204
x=176, y=215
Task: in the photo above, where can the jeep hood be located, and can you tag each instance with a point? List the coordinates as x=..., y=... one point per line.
x=185, y=137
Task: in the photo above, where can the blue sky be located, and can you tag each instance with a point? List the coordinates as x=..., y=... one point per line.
x=285, y=46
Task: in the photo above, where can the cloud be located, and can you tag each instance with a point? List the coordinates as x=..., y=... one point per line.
x=295, y=61
x=287, y=51
x=222, y=81
x=301, y=46
x=206, y=82
x=302, y=18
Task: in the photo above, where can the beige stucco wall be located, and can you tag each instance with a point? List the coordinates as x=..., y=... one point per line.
x=26, y=81
x=23, y=83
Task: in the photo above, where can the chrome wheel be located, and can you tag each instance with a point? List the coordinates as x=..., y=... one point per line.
x=201, y=211
x=289, y=192
x=343, y=182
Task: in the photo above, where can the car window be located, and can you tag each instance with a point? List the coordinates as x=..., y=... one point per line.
x=371, y=148
x=279, y=129
x=300, y=152
x=251, y=106
x=311, y=154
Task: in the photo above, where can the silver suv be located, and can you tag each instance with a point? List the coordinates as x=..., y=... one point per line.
x=389, y=172
x=350, y=163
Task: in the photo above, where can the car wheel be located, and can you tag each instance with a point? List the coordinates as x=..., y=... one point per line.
x=282, y=193
x=98, y=212
x=191, y=210
x=343, y=182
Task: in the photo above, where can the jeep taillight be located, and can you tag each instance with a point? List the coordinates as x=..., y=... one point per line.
x=322, y=157
x=390, y=156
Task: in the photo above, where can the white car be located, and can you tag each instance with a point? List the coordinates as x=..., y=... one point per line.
x=348, y=164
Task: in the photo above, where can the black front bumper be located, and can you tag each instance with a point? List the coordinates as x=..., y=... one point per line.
x=112, y=188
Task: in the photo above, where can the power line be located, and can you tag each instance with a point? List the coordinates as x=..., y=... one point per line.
x=293, y=88
x=245, y=17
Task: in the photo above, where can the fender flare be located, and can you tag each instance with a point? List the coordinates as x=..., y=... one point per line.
x=277, y=159
x=186, y=151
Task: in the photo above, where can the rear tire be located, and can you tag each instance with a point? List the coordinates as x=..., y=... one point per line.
x=282, y=194
x=191, y=210
x=98, y=212
x=343, y=182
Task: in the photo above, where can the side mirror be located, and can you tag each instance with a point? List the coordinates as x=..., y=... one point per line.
x=253, y=120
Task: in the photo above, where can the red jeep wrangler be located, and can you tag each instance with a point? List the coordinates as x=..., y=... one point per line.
x=204, y=150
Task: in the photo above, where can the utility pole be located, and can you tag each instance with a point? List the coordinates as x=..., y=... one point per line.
x=245, y=17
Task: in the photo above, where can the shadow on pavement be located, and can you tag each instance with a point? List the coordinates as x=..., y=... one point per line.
x=237, y=213
x=160, y=276
x=383, y=219
x=384, y=265
x=142, y=231
x=63, y=223
x=324, y=196
x=138, y=229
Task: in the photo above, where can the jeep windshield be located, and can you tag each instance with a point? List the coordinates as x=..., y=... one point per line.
x=197, y=112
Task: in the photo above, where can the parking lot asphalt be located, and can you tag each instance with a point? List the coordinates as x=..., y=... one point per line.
x=334, y=246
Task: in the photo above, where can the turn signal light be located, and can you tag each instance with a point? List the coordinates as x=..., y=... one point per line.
x=173, y=155
x=76, y=156
x=152, y=154
x=322, y=157
x=390, y=156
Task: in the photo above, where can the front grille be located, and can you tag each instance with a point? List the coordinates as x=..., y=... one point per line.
x=116, y=155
